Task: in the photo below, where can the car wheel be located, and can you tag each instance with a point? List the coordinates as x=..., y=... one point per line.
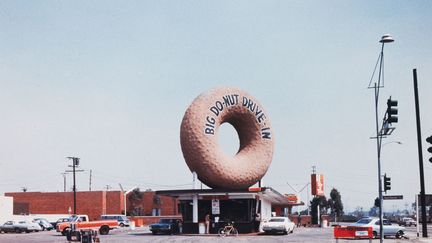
x=122, y=225
x=222, y=232
x=104, y=230
x=375, y=234
x=64, y=232
x=399, y=234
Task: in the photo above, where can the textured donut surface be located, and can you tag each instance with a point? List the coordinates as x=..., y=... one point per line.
x=200, y=145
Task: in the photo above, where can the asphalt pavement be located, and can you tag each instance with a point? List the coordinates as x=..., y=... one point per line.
x=142, y=234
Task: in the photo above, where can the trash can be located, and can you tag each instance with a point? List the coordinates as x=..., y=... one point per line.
x=132, y=225
x=324, y=223
x=201, y=228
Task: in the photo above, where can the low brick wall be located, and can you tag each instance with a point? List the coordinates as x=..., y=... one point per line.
x=147, y=220
x=306, y=220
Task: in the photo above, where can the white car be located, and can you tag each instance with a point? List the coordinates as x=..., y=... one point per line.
x=278, y=224
x=407, y=222
x=30, y=225
x=20, y=226
x=388, y=228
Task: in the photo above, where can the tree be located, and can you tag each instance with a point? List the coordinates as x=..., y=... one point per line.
x=135, y=198
x=373, y=212
x=322, y=202
x=335, y=204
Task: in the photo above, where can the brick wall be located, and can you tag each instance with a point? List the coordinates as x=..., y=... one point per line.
x=92, y=203
x=150, y=201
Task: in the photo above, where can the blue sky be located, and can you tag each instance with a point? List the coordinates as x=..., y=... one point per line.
x=109, y=81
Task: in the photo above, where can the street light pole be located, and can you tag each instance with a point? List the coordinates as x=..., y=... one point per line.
x=377, y=86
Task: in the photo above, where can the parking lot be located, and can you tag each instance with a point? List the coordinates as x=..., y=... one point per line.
x=143, y=235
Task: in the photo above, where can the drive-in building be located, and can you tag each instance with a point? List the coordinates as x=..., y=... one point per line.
x=245, y=207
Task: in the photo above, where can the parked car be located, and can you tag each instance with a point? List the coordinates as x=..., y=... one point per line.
x=60, y=220
x=44, y=224
x=388, y=228
x=12, y=226
x=278, y=225
x=121, y=219
x=20, y=226
x=167, y=226
x=406, y=221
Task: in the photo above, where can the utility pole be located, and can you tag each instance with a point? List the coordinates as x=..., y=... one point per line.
x=90, y=180
x=419, y=142
x=75, y=163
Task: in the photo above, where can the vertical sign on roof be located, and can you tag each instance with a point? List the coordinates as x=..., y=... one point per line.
x=215, y=206
x=317, y=183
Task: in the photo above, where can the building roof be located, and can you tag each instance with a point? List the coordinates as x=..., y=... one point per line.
x=267, y=193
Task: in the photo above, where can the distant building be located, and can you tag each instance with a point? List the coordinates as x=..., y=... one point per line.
x=92, y=203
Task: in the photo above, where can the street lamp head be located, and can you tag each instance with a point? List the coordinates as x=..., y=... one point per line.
x=386, y=38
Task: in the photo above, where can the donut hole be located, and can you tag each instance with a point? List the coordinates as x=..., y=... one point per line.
x=228, y=139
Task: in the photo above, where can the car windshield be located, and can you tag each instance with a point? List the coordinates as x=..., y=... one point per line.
x=276, y=220
x=364, y=221
x=165, y=221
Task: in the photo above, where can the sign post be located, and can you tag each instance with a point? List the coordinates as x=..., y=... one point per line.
x=215, y=206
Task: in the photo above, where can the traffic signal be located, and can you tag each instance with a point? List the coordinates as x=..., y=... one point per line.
x=387, y=183
x=429, y=140
x=392, y=111
x=377, y=202
x=75, y=161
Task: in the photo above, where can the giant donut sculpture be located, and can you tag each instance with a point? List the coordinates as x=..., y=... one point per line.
x=199, y=139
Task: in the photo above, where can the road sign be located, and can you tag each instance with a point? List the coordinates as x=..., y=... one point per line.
x=393, y=197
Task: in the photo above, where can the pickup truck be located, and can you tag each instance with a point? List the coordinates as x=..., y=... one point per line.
x=82, y=222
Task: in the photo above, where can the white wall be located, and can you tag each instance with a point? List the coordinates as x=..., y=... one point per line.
x=6, y=208
x=6, y=212
x=265, y=210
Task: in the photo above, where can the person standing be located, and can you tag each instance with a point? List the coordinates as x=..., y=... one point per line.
x=207, y=224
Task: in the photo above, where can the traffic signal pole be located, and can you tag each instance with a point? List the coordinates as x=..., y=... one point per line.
x=379, y=139
x=379, y=134
x=419, y=142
